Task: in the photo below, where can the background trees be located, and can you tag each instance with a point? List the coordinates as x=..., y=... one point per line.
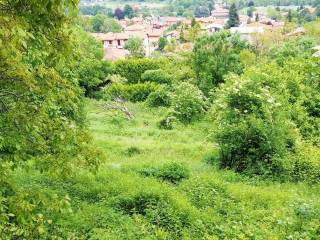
x=216, y=55
x=135, y=47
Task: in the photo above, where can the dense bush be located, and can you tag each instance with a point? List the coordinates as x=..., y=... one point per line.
x=216, y=55
x=187, y=102
x=158, y=76
x=159, y=209
x=254, y=132
x=132, y=69
x=167, y=123
x=171, y=172
x=291, y=49
x=137, y=92
x=159, y=98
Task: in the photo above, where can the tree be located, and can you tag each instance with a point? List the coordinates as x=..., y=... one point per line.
x=257, y=17
x=41, y=109
x=135, y=47
x=92, y=71
x=216, y=55
x=210, y=7
x=97, y=22
x=289, y=17
x=202, y=11
x=118, y=13
x=233, y=16
x=251, y=3
x=111, y=25
x=250, y=12
x=162, y=43
x=193, y=22
x=128, y=11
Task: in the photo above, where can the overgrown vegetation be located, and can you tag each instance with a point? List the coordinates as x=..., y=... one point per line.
x=218, y=143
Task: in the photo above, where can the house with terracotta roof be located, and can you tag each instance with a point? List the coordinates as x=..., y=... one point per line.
x=220, y=13
x=114, y=43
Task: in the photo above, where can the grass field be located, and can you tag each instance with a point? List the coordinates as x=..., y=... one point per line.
x=121, y=203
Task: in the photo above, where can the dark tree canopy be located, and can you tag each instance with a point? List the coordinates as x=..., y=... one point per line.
x=118, y=13
x=233, y=16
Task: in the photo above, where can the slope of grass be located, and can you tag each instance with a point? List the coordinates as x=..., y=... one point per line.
x=118, y=202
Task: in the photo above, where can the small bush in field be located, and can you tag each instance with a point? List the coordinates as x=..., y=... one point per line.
x=187, y=102
x=171, y=172
x=131, y=151
x=133, y=92
x=159, y=209
x=158, y=76
x=140, y=203
x=167, y=123
x=211, y=158
x=159, y=98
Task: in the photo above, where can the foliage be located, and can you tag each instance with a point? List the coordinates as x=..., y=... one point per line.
x=158, y=76
x=42, y=116
x=119, y=14
x=171, y=172
x=135, y=47
x=137, y=92
x=159, y=98
x=255, y=135
x=100, y=23
x=163, y=42
x=233, y=16
x=132, y=69
x=216, y=55
x=167, y=123
x=187, y=102
x=291, y=50
x=201, y=11
x=128, y=11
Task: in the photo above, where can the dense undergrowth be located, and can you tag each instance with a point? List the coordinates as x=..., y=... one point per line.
x=121, y=201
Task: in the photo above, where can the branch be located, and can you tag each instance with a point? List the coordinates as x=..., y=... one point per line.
x=119, y=105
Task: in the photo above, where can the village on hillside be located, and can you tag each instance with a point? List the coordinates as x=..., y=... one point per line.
x=151, y=29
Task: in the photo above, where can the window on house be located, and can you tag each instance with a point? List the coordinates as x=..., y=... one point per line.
x=119, y=42
x=110, y=42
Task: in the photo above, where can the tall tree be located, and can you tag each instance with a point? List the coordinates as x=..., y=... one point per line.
x=118, y=13
x=233, y=16
x=289, y=17
x=128, y=11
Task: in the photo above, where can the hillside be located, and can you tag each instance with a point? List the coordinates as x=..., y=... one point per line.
x=121, y=202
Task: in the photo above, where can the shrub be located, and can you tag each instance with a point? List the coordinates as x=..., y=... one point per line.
x=132, y=69
x=171, y=172
x=131, y=151
x=159, y=209
x=157, y=76
x=167, y=123
x=140, y=203
x=159, y=98
x=188, y=102
x=254, y=132
x=133, y=92
x=306, y=166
